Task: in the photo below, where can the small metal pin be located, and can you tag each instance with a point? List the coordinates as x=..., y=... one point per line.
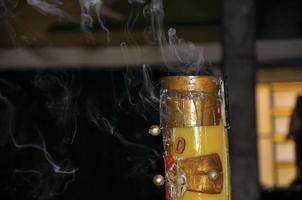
x=213, y=175
x=159, y=180
x=154, y=130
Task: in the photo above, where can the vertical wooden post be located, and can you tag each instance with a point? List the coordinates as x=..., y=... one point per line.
x=239, y=68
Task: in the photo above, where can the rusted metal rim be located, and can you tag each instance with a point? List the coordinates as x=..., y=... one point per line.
x=203, y=83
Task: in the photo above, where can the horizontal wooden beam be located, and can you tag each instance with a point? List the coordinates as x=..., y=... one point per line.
x=270, y=52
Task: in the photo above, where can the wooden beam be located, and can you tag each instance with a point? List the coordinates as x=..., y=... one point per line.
x=95, y=58
x=275, y=53
x=239, y=68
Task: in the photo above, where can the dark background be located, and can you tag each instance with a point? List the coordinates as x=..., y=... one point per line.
x=54, y=102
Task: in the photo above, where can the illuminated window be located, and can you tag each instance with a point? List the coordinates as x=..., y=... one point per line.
x=275, y=102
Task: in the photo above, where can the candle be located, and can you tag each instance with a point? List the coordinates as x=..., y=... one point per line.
x=195, y=138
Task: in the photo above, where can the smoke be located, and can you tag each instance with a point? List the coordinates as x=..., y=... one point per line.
x=61, y=100
x=88, y=9
x=45, y=7
x=48, y=7
x=103, y=124
x=54, y=171
x=45, y=175
x=90, y=12
x=148, y=92
x=140, y=158
x=42, y=184
x=189, y=58
x=52, y=86
x=141, y=93
x=154, y=13
x=40, y=128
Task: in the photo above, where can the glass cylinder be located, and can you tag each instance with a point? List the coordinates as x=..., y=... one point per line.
x=192, y=112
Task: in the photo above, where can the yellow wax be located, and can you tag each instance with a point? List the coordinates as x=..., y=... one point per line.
x=200, y=141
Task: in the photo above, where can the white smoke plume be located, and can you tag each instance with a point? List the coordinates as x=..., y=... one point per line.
x=89, y=8
x=90, y=12
x=48, y=7
x=190, y=58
